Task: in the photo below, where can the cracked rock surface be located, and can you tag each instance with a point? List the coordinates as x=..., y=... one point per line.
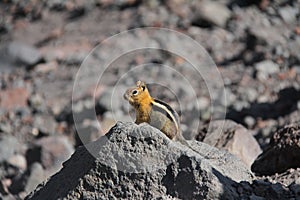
x=140, y=162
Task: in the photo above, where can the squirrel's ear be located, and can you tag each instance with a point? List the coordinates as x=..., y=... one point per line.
x=144, y=87
x=138, y=83
x=141, y=84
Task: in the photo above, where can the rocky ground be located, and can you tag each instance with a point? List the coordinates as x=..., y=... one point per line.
x=255, y=45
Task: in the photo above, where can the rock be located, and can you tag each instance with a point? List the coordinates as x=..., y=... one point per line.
x=203, y=103
x=138, y=161
x=9, y=197
x=108, y=121
x=44, y=68
x=85, y=108
x=37, y=103
x=55, y=99
x=54, y=151
x=266, y=68
x=13, y=98
x=259, y=26
x=251, y=94
x=119, y=3
x=287, y=178
x=283, y=152
x=28, y=180
x=24, y=53
x=19, y=161
x=68, y=53
x=6, y=128
x=288, y=14
x=296, y=189
x=234, y=138
x=8, y=146
x=87, y=131
x=250, y=121
x=212, y=12
x=37, y=176
x=179, y=7
x=4, y=183
x=45, y=124
x=268, y=190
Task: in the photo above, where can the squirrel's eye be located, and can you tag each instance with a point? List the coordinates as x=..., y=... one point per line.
x=134, y=92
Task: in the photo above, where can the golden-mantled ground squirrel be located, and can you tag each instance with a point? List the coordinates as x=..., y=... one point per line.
x=155, y=112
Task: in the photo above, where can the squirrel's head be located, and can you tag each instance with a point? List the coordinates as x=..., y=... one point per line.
x=137, y=95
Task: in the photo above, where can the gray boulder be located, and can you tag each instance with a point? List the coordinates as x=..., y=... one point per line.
x=235, y=139
x=138, y=161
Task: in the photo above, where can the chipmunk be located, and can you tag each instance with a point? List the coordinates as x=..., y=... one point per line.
x=155, y=112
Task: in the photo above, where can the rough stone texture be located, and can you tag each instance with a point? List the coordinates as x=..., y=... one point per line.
x=140, y=162
x=283, y=152
x=234, y=138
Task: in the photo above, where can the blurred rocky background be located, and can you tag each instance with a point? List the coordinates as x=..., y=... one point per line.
x=255, y=45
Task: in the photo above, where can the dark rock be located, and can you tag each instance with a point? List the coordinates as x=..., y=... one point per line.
x=76, y=13
x=268, y=190
x=234, y=138
x=119, y=3
x=283, y=152
x=24, y=53
x=138, y=161
x=296, y=189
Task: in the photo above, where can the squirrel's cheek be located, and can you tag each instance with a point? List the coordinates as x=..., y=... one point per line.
x=125, y=96
x=131, y=101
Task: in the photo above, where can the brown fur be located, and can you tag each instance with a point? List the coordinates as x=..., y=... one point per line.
x=141, y=101
x=156, y=113
x=145, y=107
